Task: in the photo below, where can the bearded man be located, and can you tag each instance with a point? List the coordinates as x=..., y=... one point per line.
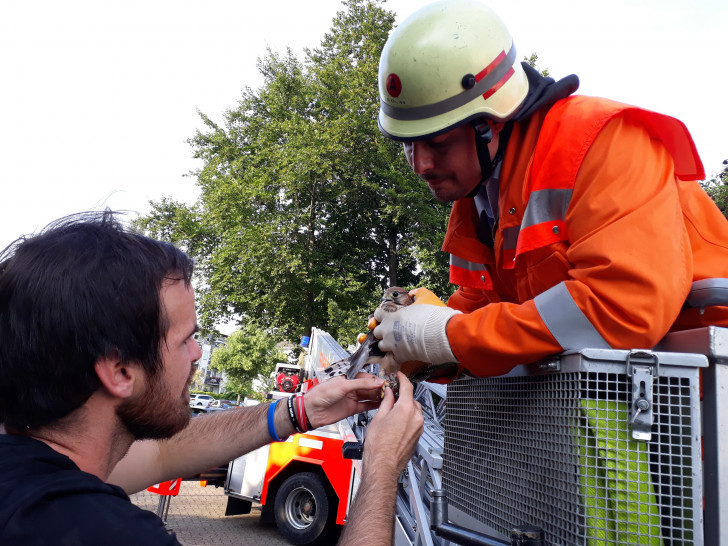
x=96, y=358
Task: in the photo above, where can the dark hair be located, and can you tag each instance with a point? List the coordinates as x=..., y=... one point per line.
x=82, y=289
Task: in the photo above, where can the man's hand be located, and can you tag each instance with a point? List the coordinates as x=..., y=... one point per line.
x=418, y=331
x=390, y=441
x=393, y=433
x=339, y=397
x=418, y=296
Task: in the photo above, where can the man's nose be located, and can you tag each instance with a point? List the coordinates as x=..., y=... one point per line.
x=197, y=353
x=421, y=157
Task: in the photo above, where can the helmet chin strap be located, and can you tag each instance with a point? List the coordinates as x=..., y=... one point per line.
x=483, y=136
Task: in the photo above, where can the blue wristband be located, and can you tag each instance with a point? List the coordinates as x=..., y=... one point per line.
x=271, y=422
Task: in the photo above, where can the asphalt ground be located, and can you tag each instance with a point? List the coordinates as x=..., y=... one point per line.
x=197, y=516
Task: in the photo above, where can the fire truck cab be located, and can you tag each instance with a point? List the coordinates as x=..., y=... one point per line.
x=304, y=483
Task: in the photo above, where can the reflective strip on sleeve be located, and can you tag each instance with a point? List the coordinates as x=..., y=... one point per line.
x=546, y=206
x=541, y=235
x=465, y=264
x=566, y=322
x=544, y=220
x=470, y=274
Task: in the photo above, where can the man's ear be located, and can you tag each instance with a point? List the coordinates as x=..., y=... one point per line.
x=117, y=377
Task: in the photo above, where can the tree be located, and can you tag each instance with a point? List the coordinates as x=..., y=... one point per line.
x=532, y=62
x=248, y=354
x=307, y=213
x=717, y=188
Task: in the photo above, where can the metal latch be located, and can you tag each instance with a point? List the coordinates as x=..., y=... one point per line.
x=643, y=375
x=551, y=365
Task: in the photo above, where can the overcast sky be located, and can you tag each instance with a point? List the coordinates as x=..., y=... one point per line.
x=97, y=98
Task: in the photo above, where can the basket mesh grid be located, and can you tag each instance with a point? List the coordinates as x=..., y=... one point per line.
x=556, y=451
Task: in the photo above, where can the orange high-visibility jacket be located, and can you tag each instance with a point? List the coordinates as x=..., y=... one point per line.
x=602, y=229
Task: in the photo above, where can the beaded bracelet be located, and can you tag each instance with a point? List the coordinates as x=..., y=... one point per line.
x=271, y=422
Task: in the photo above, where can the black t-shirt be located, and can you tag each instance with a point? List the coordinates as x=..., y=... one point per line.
x=46, y=499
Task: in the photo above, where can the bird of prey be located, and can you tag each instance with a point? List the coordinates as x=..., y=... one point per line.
x=368, y=352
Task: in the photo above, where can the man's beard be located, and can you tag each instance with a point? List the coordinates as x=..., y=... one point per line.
x=156, y=413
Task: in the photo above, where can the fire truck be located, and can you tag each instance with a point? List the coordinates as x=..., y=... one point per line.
x=306, y=483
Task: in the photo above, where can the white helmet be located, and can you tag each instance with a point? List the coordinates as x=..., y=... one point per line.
x=448, y=63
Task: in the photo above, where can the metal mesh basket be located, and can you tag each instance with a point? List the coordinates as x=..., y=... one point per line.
x=554, y=446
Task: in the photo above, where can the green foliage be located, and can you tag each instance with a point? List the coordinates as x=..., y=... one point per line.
x=717, y=188
x=532, y=62
x=249, y=353
x=307, y=213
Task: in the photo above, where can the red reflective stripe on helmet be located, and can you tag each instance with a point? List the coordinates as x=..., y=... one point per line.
x=472, y=279
x=500, y=84
x=540, y=235
x=488, y=69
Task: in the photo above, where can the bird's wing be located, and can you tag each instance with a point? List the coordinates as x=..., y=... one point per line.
x=368, y=349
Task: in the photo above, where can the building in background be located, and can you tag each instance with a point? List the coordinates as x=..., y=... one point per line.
x=207, y=378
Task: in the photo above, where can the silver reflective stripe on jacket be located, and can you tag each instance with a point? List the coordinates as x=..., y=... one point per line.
x=546, y=206
x=566, y=322
x=465, y=264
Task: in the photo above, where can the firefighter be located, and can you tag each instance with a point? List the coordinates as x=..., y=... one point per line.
x=576, y=221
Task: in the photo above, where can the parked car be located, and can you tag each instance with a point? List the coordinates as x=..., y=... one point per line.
x=200, y=400
x=216, y=405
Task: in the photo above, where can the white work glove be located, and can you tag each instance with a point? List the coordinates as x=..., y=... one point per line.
x=416, y=332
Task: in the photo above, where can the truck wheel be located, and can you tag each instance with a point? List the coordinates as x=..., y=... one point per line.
x=303, y=511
